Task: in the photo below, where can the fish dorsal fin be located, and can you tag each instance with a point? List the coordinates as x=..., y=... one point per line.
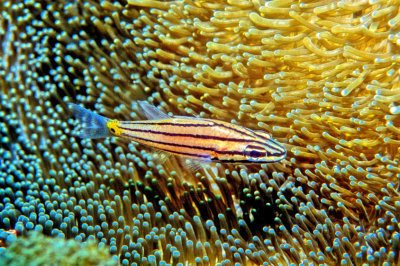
x=188, y=117
x=151, y=112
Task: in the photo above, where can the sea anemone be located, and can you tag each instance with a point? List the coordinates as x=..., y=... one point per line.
x=321, y=77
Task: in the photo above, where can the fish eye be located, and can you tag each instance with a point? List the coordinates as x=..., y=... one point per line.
x=253, y=153
x=256, y=154
x=112, y=130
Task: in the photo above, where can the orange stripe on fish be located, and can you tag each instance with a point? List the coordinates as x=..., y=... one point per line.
x=196, y=138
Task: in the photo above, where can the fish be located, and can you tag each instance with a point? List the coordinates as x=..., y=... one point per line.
x=200, y=139
x=7, y=236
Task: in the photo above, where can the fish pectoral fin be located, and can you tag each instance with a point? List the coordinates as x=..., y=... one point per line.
x=193, y=165
x=160, y=157
x=151, y=112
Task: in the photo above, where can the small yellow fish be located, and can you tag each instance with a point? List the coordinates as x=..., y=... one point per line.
x=207, y=140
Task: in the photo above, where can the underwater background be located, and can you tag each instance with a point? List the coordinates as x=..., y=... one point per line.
x=321, y=76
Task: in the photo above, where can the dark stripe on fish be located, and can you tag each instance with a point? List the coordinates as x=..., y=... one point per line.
x=176, y=124
x=184, y=146
x=187, y=135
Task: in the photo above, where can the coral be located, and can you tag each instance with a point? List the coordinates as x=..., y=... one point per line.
x=322, y=77
x=37, y=249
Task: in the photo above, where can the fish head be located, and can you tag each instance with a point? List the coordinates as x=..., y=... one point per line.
x=266, y=151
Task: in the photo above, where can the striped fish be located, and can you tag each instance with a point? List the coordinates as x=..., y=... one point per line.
x=206, y=140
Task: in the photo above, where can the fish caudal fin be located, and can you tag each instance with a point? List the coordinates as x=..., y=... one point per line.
x=91, y=125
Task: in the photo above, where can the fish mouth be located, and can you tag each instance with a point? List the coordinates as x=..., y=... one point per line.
x=283, y=154
x=279, y=151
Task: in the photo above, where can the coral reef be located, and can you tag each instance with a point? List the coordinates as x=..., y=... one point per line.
x=36, y=249
x=321, y=76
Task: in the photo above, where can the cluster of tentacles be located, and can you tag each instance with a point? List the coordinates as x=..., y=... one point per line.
x=321, y=76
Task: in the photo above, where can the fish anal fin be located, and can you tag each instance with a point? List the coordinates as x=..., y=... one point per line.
x=151, y=112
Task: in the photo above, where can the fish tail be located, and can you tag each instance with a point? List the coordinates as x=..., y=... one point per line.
x=91, y=125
